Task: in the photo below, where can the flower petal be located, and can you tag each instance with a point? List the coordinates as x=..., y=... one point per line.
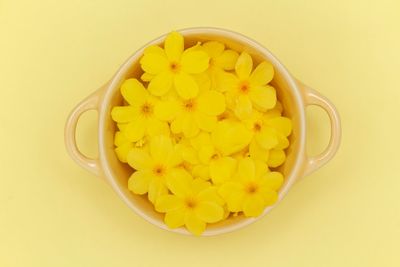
x=178, y=182
x=160, y=148
x=267, y=138
x=174, y=45
x=199, y=185
x=175, y=218
x=124, y=114
x=205, y=153
x=264, y=97
x=213, y=48
x=122, y=151
x=156, y=127
x=188, y=153
x=166, y=110
x=201, y=171
x=194, y=61
x=139, y=182
x=135, y=130
x=276, y=158
x=209, y=212
x=262, y=74
x=202, y=139
x=222, y=169
x=205, y=122
x=195, y=225
x=233, y=194
x=244, y=65
x=147, y=77
x=211, y=194
x=154, y=63
x=156, y=189
x=211, y=103
x=253, y=206
x=272, y=180
x=243, y=107
x=225, y=81
x=257, y=152
x=281, y=124
x=227, y=60
x=133, y=91
x=246, y=169
x=161, y=83
x=283, y=142
x=120, y=138
x=190, y=127
x=185, y=85
x=270, y=197
x=139, y=159
x=166, y=203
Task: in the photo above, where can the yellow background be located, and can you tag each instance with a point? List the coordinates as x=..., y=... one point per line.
x=54, y=53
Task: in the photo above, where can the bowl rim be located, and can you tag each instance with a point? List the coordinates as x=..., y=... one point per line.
x=294, y=90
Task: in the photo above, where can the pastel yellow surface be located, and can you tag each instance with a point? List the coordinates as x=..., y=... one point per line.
x=55, y=53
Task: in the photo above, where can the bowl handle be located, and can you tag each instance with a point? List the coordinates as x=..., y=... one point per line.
x=312, y=97
x=89, y=103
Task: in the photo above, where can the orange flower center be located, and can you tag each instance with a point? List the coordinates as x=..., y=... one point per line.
x=174, y=66
x=159, y=170
x=251, y=188
x=146, y=109
x=244, y=87
x=189, y=105
x=190, y=203
x=257, y=127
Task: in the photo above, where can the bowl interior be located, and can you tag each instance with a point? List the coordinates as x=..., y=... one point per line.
x=120, y=172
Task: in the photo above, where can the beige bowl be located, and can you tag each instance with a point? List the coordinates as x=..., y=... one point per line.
x=294, y=96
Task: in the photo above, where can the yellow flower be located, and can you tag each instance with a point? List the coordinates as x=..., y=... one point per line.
x=270, y=132
x=140, y=116
x=220, y=60
x=253, y=188
x=218, y=167
x=199, y=113
x=122, y=146
x=194, y=203
x=153, y=166
x=173, y=67
x=247, y=90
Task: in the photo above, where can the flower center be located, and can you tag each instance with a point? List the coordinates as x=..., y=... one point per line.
x=222, y=116
x=189, y=105
x=244, y=87
x=159, y=170
x=190, y=203
x=257, y=127
x=215, y=156
x=185, y=165
x=146, y=109
x=251, y=188
x=174, y=66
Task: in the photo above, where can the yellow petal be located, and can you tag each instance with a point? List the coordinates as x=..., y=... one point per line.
x=209, y=212
x=139, y=182
x=243, y=107
x=199, y=185
x=133, y=91
x=120, y=139
x=264, y=97
x=230, y=136
x=166, y=203
x=160, y=148
x=205, y=153
x=270, y=197
x=283, y=142
x=213, y=48
x=201, y=171
x=205, y=122
x=272, y=180
x=156, y=127
x=187, y=153
x=267, y=138
x=156, y=189
x=178, y=182
x=154, y=49
x=244, y=65
x=122, y=151
x=211, y=103
x=211, y=194
x=233, y=194
x=281, y=124
x=173, y=46
x=166, y=110
x=139, y=159
x=177, y=124
x=253, y=206
x=121, y=126
x=161, y=84
x=190, y=127
x=262, y=74
x=222, y=169
x=261, y=168
x=227, y=60
x=175, y=218
x=194, y=61
x=147, y=77
x=124, y=114
x=194, y=224
x=135, y=130
x=202, y=139
x=246, y=169
x=276, y=158
x=154, y=63
x=225, y=81
x=185, y=85
x=257, y=152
